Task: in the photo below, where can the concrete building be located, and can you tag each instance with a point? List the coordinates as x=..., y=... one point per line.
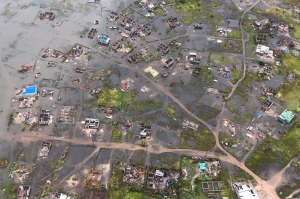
x=286, y=116
x=261, y=49
x=245, y=191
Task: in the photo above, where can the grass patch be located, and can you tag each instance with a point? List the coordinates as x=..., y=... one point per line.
x=235, y=76
x=170, y=111
x=144, y=106
x=10, y=191
x=152, y=57
x=166, y=160
x=235, y=34
x=203, y=111
x=130, y=137
x=279, y=152
x=250, y=49
x=293, y=2
x=116, y=134
x=159, y=11
x=289, y=93
x=3, y=163
x=114, y=98
x=6, y=10
x=219, y=59
x=292, y=63
x=203, y=139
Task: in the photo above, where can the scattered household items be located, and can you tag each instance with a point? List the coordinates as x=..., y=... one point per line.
x=46, y=93
x=23, y=192
x=92, y=33
x=266, y=71
x=144, y=89
x=175, y=43
x=93, y=179
x=133, y=175
x=90, y=123
x=127, y=126
x=51, y=64
x=267, y=91
x=26, y=117
x=77, y=50
x=266, y=105
x=96, y=22
x=150, y=15
x=79, y=70
x=75, y=81
x=163, y=48
x=45, y=149
x=103, y=39
x=95, y=91
x=198, y=26
x=225, y=72
x=244, y=190
x=47, y=15
x=109, y=113
x=66, y=114
x=168, y=63
x=84, y=86
x=25, y=68
x=54, y=53
x=127, y=84
x=230, y=126
x=26, y=102
x=151, y=71
x=113, y=16
x=37, y=75
x=212, y=91
x=46, y=117
x=194, y=58
x=286, y=116
x=189, y=124
x=173, y=22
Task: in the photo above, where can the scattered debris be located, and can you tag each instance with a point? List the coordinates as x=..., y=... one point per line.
x=189, y=124
x=66, y=114
x=173, y=22
x=198, y=26
x=23, y=192
x=163, y=48
x=46, y=117
x=113, y=16
x=225, y=72
x=51, y=64
x=25, y=68
x=75, y=81
x=47, y=15
x=151, y=71
x=222, y=32
x=133, y=175
x=54, y=53
x=117, y=46
x=145, y=131
x=84, y=86
x=77, y=50
x=46, y=93
x=79, y=70
x=266, y=105
x=144, y=89
x=44, y=150
x=127, y=84
x=90, y=123
x=212, y=91
x=194, y=58
x=168, y=63
x=109, y=113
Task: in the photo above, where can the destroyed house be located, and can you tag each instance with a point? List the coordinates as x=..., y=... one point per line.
x=194, y=58
x=191, y=125
x=144, y=31
x=44, y=150
x=127, y=22
x=113, y=16
x=296, y=11
x=151, y=6
x=168, y=63
x=116, y=46
x=286, y=116
x=46, y=93
x=109, y=113
x=47, y=15
x=261, y=38
x=23, y=192
x=45, y=117
x=175, y=43
x=145, y=130
x=144, y=51
x=268, y=91
x=92, y=33
x=173, y=22
x=266, y=105
x=163, y=48
x=198, y=26
x=103, y=39
x=212, y=91
x=90, y=123
x=245, y=191
x=135, y=58
x=76, y=51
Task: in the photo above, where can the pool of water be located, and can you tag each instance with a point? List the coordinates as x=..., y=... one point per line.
x=30, y=90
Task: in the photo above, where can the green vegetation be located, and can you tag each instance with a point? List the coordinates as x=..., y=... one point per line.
x=289, y=93
x=227, y=140
x=144, y=143
x=293, y=2
x=116, y=134
x=235, y=76
x=297, y=33
x=203, y=111
x=130, y=137
x=279, y=152
x=141, y=107
x=203, y=139
x=235, y=34
x=10, y=119
x=6, y=10
x=170, y=111
x=10, y=191
x=219, y=59
x=291, y=63
x=159, y=11
x=3, y=163
x=114, y=98
x=152, y=57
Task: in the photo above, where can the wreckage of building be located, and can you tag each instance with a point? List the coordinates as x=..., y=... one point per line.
x=116, y=46
x=109, y=113
x=103, y=39
x=146, y=130
x=45, y=149
x=25, y=68
x=163, y=48
x=92, y=33
x=212, y=91
x=26, y=102
x=198, y=26
x=189, y=124
x=66, y=114
x=261, y=38
x=134, y=59
x=45, y=117
x=79, y=70
x=133, y=175
x=113, y=16
x=173, y=22
x=127, y=22
x=90, y=123
x=144, y=51
x=168, y=63
x=144, y=31
x=45, y=93
x=77, y=50
x=266, y=105
x=194, y=58
x=47, y=15
x=23, y=192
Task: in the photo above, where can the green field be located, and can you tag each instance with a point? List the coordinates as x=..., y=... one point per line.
x=271, y=151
